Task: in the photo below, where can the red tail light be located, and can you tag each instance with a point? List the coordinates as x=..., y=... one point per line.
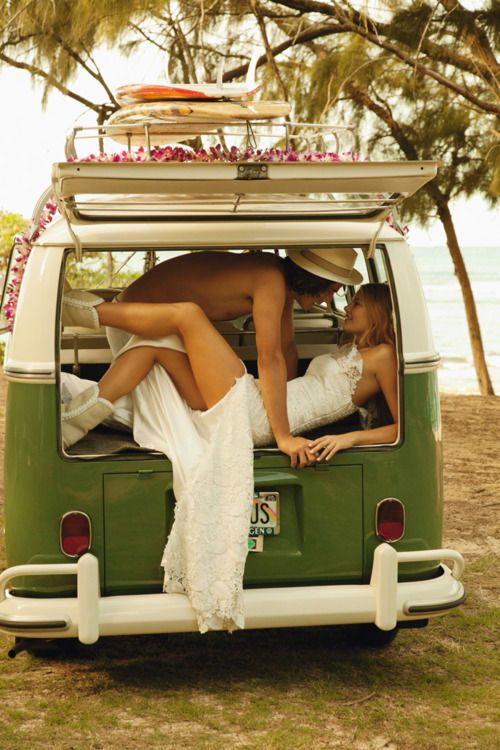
x=390, y=519
x=76, y=533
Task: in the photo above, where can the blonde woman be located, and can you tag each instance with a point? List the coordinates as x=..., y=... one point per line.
x=369, y=322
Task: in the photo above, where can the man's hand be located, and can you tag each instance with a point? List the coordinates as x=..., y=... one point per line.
x=298, y=448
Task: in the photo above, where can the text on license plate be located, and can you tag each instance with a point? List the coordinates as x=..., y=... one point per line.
x=265, y=519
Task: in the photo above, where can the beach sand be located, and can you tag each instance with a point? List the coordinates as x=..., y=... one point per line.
x=471, y=438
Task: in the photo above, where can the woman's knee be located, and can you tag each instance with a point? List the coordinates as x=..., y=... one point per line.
x=190, y=314
x=138, y=354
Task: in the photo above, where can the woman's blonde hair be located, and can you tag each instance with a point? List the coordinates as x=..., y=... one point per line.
x=377, y=301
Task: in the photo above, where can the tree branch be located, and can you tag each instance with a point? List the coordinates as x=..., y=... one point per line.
x=147, y=38
x=362, y=97
x=269, y=52
x=186, y=51
x=444, y=54
x=16, y=15
x=476, y=39
x=364, y=26
x=96, y=74
x=306, y=36
x=463, y=92
x=50, y=80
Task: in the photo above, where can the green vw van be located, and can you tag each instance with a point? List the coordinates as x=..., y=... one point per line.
x=355, y=540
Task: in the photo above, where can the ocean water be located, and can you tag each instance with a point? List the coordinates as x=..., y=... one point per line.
x=446, y=311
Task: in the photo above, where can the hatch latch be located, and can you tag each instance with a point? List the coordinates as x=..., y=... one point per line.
x=252, y=172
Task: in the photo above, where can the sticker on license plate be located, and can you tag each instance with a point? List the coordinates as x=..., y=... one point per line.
x=265, y=519
x=255, y=543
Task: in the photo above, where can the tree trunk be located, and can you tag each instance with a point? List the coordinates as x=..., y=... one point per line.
x=476, y=342
x=441, y=201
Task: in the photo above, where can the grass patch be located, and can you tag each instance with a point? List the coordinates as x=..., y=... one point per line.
x=433, y=689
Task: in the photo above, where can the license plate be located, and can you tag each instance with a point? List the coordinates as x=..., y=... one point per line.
x=265, y=519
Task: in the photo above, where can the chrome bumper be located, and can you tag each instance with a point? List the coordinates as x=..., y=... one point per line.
x=88, y=616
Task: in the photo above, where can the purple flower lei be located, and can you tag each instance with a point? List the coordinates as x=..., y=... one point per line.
x=218, y=154
x=21, y=251
x=23, y=244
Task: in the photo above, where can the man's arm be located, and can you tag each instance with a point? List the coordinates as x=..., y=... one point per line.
x=269, y=300
x=288, y=345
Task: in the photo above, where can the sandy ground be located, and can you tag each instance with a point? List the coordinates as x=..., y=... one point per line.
x=471, y=438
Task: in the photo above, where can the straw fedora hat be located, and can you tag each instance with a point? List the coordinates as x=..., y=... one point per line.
x=335, y=263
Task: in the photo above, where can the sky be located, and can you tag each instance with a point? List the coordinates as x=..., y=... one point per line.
x=31, y=139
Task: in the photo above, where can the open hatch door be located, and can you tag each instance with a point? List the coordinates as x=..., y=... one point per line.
x=123, y=191
x=94, y=191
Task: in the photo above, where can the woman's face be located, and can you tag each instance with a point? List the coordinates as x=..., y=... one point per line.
x=357, y=321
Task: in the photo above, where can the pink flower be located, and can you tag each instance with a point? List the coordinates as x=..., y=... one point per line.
x=22, y=251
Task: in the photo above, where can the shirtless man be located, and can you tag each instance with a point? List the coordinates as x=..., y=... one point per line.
x=226, y=286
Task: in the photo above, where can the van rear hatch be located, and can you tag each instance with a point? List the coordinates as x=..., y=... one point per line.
x=318, y=537
x=89, y=192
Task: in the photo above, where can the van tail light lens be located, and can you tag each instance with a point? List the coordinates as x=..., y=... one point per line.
x=76, y=533
x=390, y=519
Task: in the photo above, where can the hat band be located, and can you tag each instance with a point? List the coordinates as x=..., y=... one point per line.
x=326, y=265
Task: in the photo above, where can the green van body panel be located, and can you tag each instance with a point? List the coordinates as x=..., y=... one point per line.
x=327, y=512
x=138, y=514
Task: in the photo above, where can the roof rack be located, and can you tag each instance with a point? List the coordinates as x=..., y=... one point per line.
x=248, y=134
x=333, y=184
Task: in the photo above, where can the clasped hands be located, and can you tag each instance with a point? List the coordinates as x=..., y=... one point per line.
x=305, y=452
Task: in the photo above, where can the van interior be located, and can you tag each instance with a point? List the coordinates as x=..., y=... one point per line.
x=86, y=353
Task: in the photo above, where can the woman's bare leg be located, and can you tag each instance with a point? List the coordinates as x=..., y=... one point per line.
x=126, y=373
x=213, y=363
x=132, y=366
x=148, y=319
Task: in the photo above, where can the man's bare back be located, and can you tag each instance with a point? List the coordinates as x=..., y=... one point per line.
x=222, y=284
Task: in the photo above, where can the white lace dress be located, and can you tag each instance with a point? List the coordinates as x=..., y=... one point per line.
x=212, y=458
x=322, y=396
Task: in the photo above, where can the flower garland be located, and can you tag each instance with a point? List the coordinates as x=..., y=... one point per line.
x=21, y=251
x=219, y=154
x=405, y=229
x=23, y=243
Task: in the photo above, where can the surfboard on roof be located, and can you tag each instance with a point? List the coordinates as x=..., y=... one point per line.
x=145, y=92
x=219, y=111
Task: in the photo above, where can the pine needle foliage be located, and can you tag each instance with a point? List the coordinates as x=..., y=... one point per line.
x=10, y=225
